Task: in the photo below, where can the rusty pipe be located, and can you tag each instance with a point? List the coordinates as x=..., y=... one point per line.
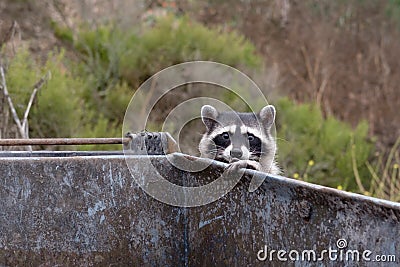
x=63, y=141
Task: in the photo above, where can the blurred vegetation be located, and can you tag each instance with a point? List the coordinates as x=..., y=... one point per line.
x=319, y=150
x=385, y=173
x=59, y=110
x=88, y=93
x=175, y=40
x=116, y=62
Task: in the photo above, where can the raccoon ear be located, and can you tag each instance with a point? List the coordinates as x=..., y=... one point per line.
x=267, y=116
x=208, y=115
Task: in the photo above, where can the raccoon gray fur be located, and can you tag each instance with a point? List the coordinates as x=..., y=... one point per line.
x=243, y=140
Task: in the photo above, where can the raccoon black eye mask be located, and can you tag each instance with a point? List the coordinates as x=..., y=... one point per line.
x=242, y=139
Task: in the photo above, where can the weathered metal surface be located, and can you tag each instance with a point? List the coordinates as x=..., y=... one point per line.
x=89, y=211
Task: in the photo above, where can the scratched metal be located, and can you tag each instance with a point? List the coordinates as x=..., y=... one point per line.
x=85, y=210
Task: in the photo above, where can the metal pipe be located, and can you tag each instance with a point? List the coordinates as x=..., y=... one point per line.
x=63, y=141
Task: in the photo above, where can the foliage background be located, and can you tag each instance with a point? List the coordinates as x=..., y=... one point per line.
x=329, y=67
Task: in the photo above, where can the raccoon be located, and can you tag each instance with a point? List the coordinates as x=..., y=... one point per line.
x=243, y=140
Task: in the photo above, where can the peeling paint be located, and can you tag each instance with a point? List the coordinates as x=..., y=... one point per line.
x=102, y=218
x=204, y=223
x=99, y=206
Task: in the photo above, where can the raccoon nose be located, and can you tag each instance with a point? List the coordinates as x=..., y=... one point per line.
x=236, y=153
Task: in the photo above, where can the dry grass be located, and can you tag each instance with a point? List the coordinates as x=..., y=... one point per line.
x=385, y=174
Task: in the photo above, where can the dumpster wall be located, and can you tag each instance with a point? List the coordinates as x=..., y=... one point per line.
x=88, y=210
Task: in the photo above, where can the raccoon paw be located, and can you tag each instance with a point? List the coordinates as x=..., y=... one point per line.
x=236, y=164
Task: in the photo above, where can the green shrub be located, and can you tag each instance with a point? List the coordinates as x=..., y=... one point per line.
x=175, y=40
x=116, y=62
x=21, y=75
x=63, y=33
x=100, y=127
x=110, y=53
x=102, y=49
x=116, y=101
x=57, y=110
x=319, y=150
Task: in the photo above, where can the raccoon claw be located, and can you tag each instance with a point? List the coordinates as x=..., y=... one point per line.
x=236, y=164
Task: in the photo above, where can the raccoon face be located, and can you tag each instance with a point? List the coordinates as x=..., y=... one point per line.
x=235, y=144
x=244, y=136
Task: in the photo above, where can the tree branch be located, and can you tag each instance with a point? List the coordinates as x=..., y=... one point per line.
x=36, y=88
x=11, y=105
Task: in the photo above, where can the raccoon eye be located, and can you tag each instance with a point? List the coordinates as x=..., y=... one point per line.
x=250, y=137
x=225, y=136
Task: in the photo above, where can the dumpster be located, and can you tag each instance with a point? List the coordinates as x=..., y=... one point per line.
x=86, y=209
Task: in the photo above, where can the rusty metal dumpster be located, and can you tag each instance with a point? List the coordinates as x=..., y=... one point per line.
x=85, y=209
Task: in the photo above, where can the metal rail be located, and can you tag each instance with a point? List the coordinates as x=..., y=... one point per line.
x=63, y=141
